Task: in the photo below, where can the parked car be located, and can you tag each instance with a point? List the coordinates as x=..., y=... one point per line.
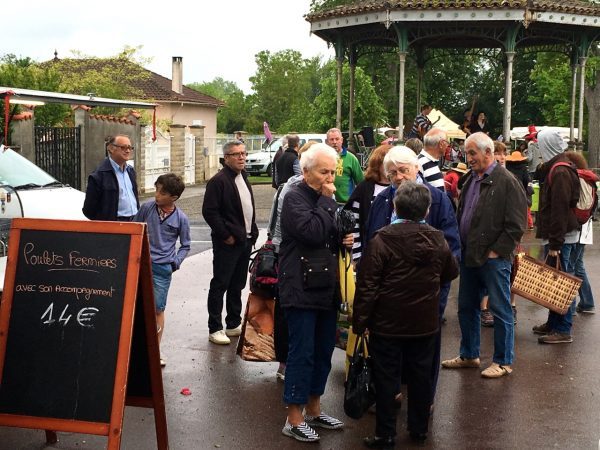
x=261, y=163
x=28, y=191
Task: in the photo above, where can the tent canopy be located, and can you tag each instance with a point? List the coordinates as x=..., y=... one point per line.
x=451, y=128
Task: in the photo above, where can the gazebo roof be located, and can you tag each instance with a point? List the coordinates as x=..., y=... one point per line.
x=559, y=6
x=461, y=23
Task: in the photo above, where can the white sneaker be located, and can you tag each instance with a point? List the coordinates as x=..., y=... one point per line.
x=234, y=332
x=219, y=337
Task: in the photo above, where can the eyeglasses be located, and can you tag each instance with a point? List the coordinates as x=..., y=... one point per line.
x=123, y=147
x=401, y=170
x=237, y=154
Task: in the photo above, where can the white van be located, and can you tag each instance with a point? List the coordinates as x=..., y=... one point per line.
x=259, y=163
x=28, y=191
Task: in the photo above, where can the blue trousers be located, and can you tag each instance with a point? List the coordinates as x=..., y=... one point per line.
x=311, y=343
x=558, y=322
x=493, y=276
x=586, y=297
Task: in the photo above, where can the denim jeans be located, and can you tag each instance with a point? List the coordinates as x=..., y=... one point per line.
x=311, y=340
x=161, y=280
x=586, y=297
x=493, y=276
x=559, y=322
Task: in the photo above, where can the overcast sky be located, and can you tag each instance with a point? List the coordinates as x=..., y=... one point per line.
x=216, y=38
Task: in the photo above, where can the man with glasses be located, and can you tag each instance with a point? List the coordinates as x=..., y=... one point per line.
x=112, y=192
x=434, y=147
x=229, y=210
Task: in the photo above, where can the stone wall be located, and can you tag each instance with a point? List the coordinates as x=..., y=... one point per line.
x=200, y=157
x=178, y=150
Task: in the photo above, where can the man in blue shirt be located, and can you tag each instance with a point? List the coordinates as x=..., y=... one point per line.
x=112, y=192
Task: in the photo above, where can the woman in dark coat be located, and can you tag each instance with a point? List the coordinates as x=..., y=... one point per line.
x=307, y=290
x=397, y=300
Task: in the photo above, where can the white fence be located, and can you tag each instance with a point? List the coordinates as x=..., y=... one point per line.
x=158, y=160
x=158, y=155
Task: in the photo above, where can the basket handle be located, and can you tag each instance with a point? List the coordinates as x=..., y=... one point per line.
x=557, y=264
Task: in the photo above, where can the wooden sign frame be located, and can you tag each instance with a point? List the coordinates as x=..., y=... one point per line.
x=138, y=289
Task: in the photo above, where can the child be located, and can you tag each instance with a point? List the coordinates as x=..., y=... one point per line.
x=165, y=224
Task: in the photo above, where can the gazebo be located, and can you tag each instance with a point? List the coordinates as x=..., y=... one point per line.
x=422, y=27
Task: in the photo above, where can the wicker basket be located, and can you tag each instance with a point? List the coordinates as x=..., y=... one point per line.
x=545, y=285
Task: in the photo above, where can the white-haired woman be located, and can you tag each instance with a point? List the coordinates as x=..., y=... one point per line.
x=307, y=289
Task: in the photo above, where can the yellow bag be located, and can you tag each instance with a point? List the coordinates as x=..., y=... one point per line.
x=347, y=288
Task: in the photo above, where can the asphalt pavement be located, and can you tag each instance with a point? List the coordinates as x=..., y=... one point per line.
x=549, y=401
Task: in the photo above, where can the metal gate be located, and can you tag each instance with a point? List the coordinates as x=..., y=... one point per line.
x=58, y=152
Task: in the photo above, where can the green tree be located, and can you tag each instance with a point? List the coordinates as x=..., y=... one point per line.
x=113, y=77
x=368, y=107
x=233, y=115
x=24, y=73
x=284, y=85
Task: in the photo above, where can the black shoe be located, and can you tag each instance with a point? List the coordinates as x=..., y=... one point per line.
x=418, y=438
x=380, y=442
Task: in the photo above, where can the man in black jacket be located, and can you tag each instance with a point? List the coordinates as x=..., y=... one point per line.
x=112, y=192
x=288, y=164
x=228, y=209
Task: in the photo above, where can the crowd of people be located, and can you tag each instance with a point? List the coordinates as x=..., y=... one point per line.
x=416, y=230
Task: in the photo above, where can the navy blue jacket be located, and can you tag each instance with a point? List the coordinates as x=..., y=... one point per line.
x=441, y=216
x=102, y=193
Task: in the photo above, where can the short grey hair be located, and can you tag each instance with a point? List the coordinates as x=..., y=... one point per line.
x=482, y=141
x=333, y=130
x=412, y=200
x=433, y=137
x=309, y=157
x=399, y=155
x=231, y=144
x=415, y=145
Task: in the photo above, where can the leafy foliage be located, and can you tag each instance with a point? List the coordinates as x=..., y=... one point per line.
x=232, y=116
x=368, y=107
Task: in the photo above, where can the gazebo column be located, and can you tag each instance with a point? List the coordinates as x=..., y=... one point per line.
x=582, y=61
x=574, y=67
x=402, y=51
x=510, y=56
x=339, y=56
x=510, y=45
x=420, y=54
x=352, y=57
x=402, y=58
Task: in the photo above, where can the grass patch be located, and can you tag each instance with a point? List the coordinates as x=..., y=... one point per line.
x=259, y=179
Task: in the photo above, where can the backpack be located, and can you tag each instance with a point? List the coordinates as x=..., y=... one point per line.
x=263, y=270
x=588, y=195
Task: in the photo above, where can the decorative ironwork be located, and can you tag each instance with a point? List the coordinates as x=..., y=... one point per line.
x=58, y=152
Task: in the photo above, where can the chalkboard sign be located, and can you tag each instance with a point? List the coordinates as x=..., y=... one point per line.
x=67, y=321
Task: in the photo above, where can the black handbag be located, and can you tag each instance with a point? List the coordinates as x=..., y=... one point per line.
x=359, y=393
x=318, y=269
